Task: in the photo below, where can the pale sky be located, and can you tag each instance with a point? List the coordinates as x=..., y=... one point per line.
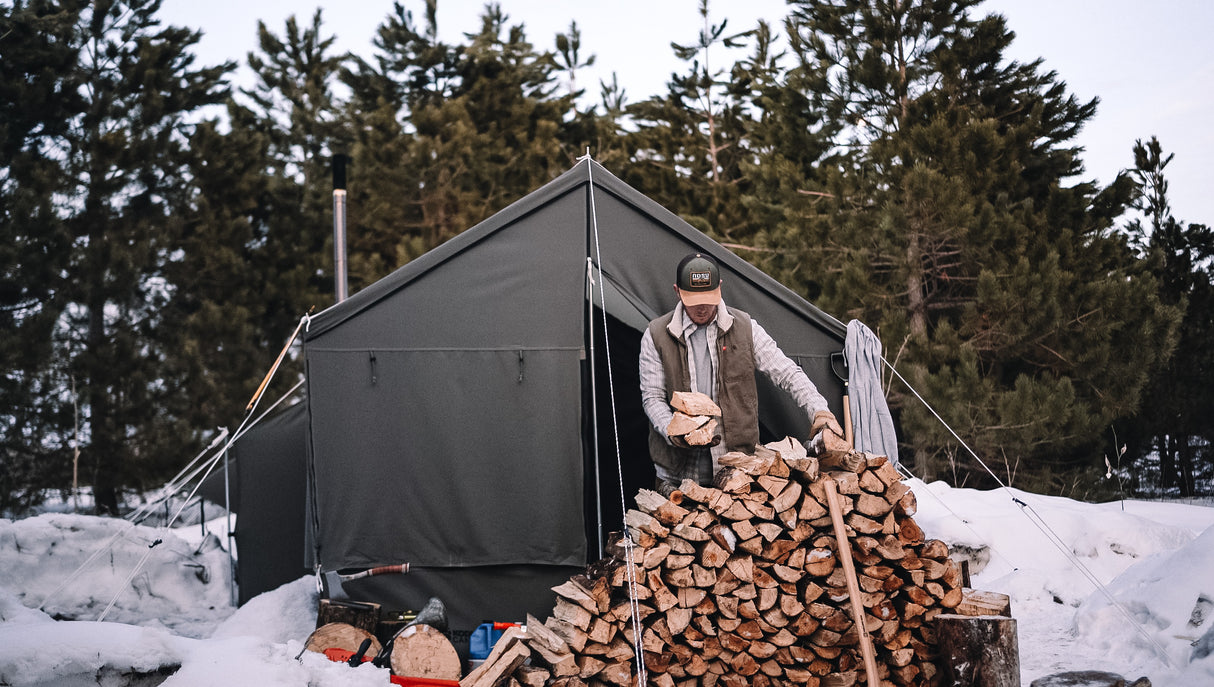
x=1150, y=63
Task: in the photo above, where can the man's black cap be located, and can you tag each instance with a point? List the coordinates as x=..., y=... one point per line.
x=699, y=280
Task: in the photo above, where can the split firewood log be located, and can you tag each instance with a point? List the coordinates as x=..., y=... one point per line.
x=666, y=511
x=694, y=403
x=976, y=602
x=833, y=442
x=681, y=423
x=703, y=435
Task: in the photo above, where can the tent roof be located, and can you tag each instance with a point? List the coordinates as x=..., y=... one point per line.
x=586, y=174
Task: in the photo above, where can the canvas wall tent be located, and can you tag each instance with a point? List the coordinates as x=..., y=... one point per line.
x=266, y=484
x=454, y=420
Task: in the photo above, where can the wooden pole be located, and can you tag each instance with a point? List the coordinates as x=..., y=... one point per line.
x=282, y=354
x=853, y=584
x=848, y=432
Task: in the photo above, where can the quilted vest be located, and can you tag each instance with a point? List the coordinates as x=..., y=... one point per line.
x=737, y=394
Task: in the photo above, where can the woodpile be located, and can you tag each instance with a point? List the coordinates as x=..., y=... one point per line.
x=742, y=583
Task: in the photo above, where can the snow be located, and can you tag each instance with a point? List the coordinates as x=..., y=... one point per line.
x=1063, y=562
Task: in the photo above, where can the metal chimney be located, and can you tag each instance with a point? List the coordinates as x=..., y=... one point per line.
x=339, y=226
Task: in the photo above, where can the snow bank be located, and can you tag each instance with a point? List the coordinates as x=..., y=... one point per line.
x=73, y=566
x=277, y=616
x=1167, y=599
x=39, y=651
x=1059, y=560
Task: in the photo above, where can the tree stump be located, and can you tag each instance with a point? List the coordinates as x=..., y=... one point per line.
x=978, y=650
x=361, y=614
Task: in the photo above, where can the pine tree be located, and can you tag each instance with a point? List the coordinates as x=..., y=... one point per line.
x=690, y=143
x=294, y=103
x=941, y=218
x=603, y=132
x=255, y=252
x=791, y=136
x=1175, y=422
x=38, y=100
x=412, y=70
x=569, y=56
x=506, y=103
x=126, y=88
x=597, y=131
x=448, y=135
x=229, y=315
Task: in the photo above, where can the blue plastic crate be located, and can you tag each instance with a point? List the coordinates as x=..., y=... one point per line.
x=484, y=637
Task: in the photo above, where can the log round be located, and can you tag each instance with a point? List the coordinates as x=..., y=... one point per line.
x=341, y=636
x=422, y=651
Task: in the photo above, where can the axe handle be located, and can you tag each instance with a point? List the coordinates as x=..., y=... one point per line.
x=381, y=570
x=847, y=428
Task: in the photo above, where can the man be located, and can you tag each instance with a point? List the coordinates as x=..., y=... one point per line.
x=703, y=345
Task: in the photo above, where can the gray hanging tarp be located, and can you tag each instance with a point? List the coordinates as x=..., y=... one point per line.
x=872, y=424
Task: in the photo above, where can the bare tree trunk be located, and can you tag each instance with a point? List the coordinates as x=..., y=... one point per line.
x=1167, y=462
x=101, y=424
x=916, y=304
x=1184, y=465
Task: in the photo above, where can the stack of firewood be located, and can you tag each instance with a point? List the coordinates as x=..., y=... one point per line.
x=741, y=583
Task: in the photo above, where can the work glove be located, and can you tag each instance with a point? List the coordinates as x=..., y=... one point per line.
x=677, y=442
x=824, y=419
x=681, y=442
x=815, y=446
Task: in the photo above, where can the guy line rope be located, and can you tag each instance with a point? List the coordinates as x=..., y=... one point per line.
x=633, y=603
x=185, y=476
x=1035, y=517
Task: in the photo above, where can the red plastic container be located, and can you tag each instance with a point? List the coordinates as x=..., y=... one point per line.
x=422, y=682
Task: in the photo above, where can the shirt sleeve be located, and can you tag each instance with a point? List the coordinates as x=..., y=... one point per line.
x=653, y=386
x=785, y=373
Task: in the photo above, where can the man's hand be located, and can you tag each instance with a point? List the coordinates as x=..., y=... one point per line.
x=824, y=419
x=681, y=442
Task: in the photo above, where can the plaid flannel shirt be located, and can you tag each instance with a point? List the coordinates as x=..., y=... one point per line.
x=769, y=359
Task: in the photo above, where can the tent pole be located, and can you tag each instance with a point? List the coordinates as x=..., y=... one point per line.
x=594, y=408
x=227, y=507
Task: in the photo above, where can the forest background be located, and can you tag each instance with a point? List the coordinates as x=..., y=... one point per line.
x=162, y=231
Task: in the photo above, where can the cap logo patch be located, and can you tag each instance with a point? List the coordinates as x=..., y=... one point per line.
x=700, y=279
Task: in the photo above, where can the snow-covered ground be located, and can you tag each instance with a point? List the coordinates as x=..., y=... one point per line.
x=1063, y=563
